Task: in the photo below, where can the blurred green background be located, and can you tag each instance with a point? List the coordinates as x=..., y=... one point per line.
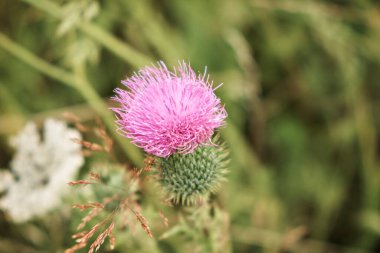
x=301, y=86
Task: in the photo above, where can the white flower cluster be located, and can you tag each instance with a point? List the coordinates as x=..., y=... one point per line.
x=40, y=170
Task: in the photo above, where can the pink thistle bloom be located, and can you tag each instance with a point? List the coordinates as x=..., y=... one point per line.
x=166, y=112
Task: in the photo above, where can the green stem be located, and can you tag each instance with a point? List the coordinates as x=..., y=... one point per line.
x=116, y=46
x=79, y=83
x=39, y=64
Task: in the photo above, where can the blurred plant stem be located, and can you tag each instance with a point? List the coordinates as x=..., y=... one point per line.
x=244, y=57
x=106, y=39
x=79, y=82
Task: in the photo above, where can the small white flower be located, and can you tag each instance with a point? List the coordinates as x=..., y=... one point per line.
x=40, y=169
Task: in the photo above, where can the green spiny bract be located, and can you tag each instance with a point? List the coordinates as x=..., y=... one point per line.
x=188, y=178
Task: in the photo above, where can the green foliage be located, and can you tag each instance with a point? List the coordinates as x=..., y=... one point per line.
x=301, y=86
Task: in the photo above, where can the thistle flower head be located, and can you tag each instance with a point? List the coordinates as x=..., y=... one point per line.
x=167, y=112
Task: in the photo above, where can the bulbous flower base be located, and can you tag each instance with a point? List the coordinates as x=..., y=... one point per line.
x=189, y=178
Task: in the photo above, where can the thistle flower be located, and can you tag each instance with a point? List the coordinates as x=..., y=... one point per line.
x=40, y=170
x=167, y=112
